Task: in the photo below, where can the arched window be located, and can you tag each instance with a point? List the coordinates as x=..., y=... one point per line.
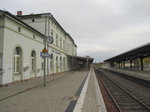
x=33, y=61
x=17, y=60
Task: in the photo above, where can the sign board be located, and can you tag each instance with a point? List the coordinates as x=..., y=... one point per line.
x=45, y=55
x=44, y=50
x=49, y=39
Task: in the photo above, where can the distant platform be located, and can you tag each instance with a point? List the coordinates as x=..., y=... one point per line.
x=145, y=75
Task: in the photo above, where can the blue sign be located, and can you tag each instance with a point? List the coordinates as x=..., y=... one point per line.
x=45, y=55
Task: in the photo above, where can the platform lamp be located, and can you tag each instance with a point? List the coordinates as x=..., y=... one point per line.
x=45, y=16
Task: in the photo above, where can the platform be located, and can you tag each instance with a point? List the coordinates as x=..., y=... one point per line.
x=61, y=94
x=93, y=101
x=134, y=73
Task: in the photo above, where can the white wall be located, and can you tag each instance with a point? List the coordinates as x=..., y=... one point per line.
x=24, y=40
x=39, y=24
x=1, y=47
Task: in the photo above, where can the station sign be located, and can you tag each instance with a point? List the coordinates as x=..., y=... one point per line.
x=45, y=54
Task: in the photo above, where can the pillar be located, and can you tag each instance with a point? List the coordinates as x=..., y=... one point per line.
x=124, y=64
x=141, y=62
x=119, y=64
x=111, y=64
x=130, y=64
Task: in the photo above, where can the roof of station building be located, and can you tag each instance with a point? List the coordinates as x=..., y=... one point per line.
x=80, y=58
x=20, y=21
x=48, y=15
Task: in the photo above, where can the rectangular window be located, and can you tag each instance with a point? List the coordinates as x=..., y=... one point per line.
x=56, y=39
x=51, y=65
x=63, y=42
x=33, y=36
x=67, y=46
x=60, y=43
x=19, y=29
x=52, y=33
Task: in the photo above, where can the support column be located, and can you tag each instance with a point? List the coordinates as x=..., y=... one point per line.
x=111, y=64
x=130, y=64
x=119, y=64
x=124, y=64
x=141, y=62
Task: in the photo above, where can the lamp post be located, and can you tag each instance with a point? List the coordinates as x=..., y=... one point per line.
x=45, y=54
x=45, y=48
x=45, y=15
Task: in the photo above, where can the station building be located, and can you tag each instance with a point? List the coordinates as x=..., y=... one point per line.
x=21, y=41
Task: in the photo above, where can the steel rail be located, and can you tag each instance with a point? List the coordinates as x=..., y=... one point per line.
x=109, y=93
x=123, y=90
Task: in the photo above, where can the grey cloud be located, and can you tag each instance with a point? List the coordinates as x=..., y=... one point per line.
x=114, y=26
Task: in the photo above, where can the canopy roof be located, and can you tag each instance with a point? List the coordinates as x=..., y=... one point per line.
x=141, y=51
x=84, y=59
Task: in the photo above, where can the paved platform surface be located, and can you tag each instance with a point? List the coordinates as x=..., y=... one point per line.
x=55, y=97
x=19, y=87
x=60, y=91
x=90, y=102
x=135, y=73
x=93, y=101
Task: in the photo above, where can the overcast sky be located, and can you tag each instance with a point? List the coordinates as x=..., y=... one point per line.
x=100, y=28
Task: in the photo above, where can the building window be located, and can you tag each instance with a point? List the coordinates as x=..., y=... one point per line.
x=52, y=33
x=64, y=64
x=56, y=39
x=63, y=44
x=19, y=29
x=57, y=65
x=33, y=36
x=52, y=63
x=16, y=63
x=67, y=46
x=60, y=43
x=17, y=60
x=60, y=64
x=33, y=61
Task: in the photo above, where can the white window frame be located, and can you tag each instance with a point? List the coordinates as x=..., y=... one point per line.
x=32, y=64
x=15, y=64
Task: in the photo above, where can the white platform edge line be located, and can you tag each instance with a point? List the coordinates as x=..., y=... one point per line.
x=100, y=100
x=79, y=104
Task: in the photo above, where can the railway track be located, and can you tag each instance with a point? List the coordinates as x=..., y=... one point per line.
x=124, y=100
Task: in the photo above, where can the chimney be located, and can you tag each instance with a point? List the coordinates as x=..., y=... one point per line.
x=19, y=13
